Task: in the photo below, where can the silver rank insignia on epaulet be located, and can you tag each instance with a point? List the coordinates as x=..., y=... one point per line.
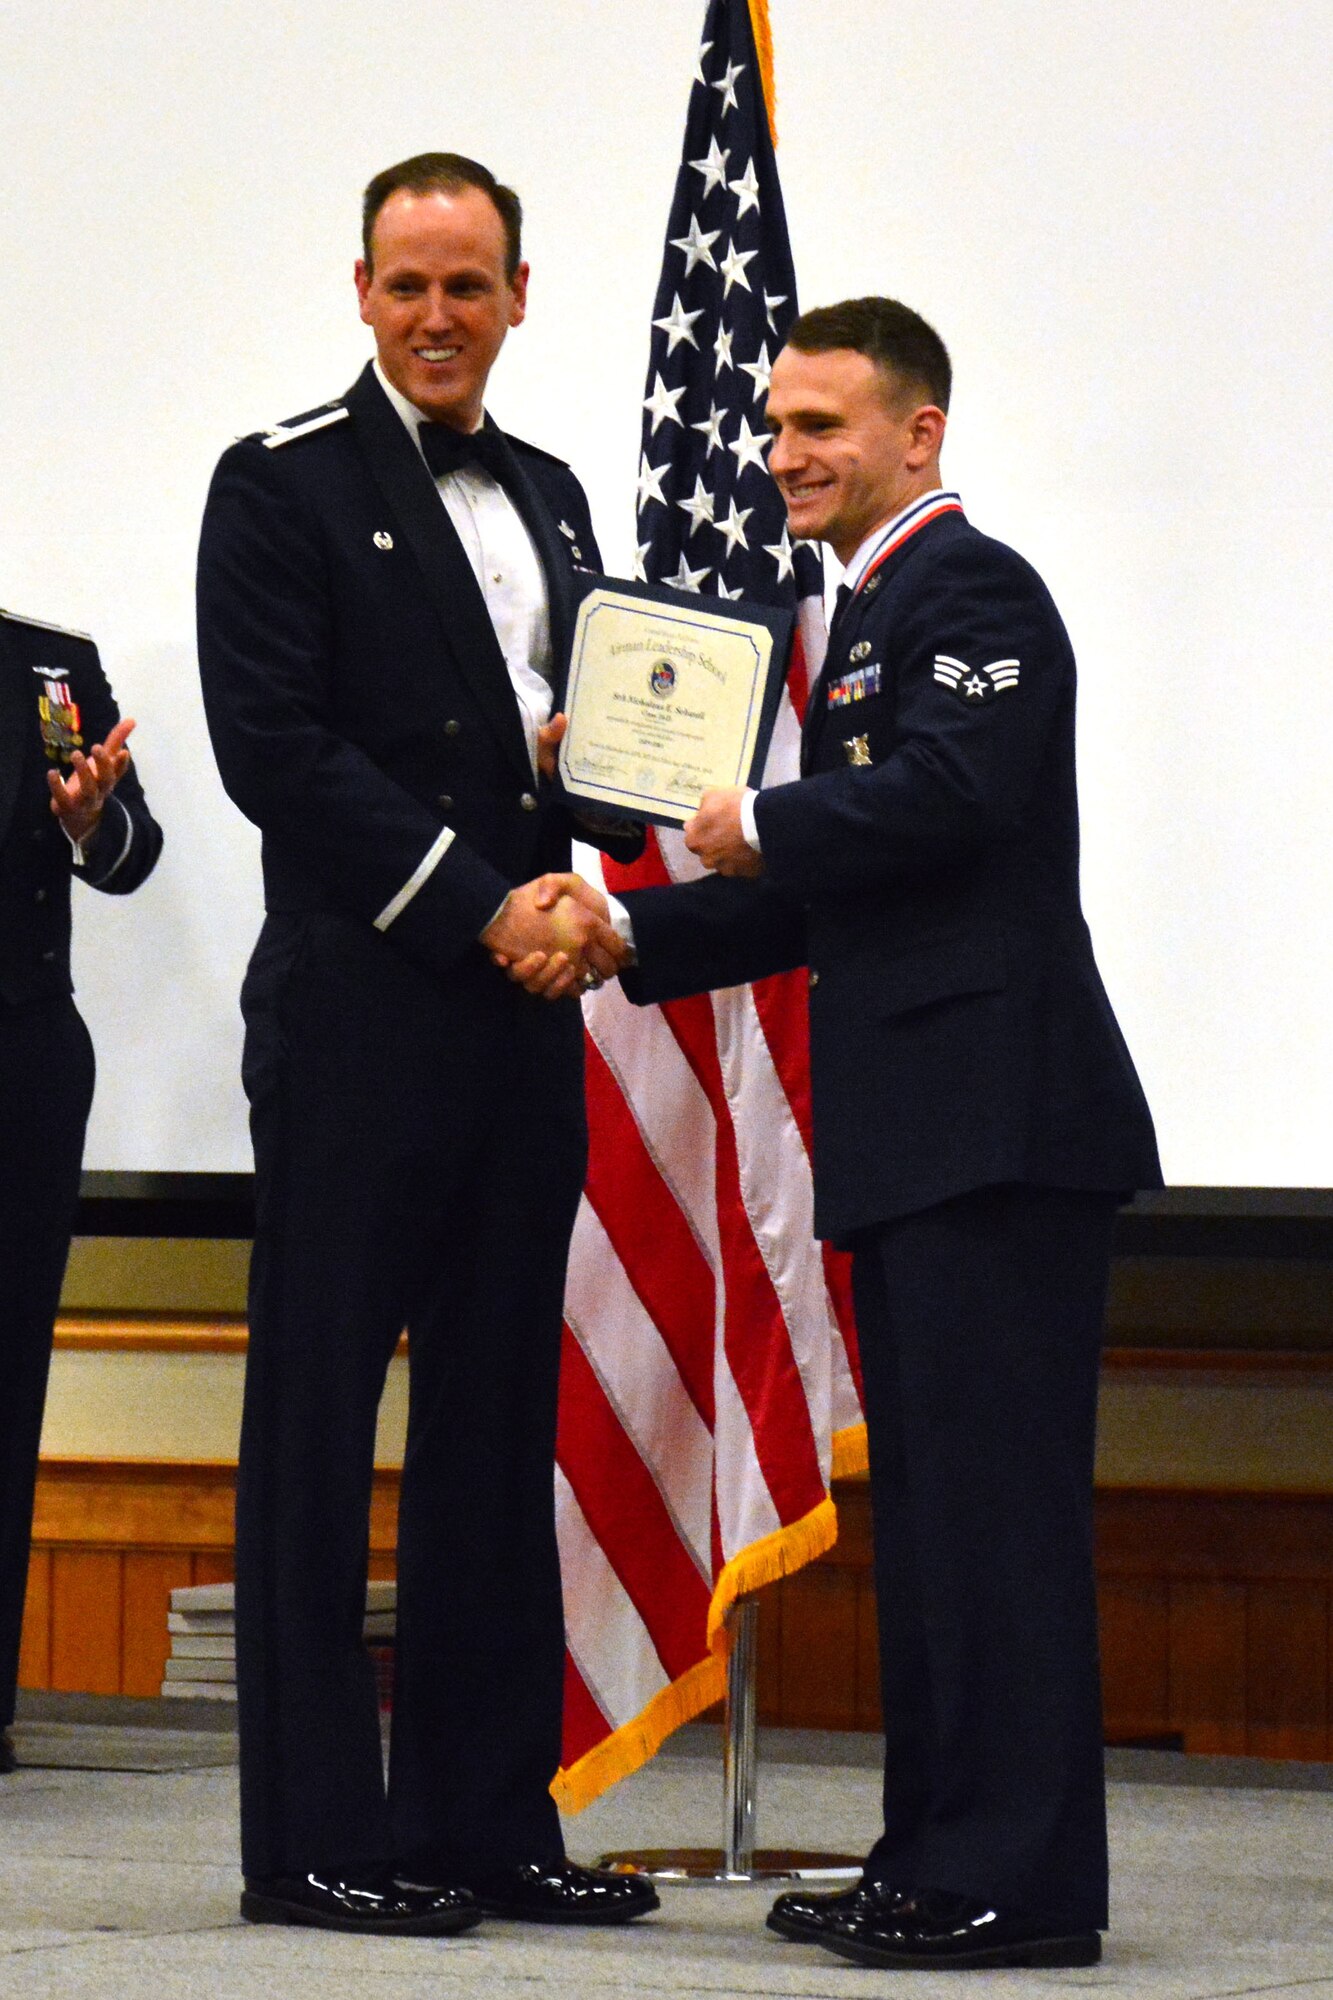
x=569, y=533
x=42, y=625
x=299, y=427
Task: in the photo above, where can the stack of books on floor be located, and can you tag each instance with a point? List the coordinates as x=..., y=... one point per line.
x=202, y=1629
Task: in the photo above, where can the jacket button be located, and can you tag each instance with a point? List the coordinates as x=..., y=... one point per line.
x=446, y=800
x=40, y=897
x=451, y=727
x=528, y=802
x=814, y=978
x=47, y=957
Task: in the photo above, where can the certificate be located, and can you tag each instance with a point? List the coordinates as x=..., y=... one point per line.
x=667, y=695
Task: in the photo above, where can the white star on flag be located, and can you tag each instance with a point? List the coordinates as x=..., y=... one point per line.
x=649, y=484
x=781, y=552
x=713, y=167
x=749, y=447
x=761, y=369
x=711, y=426
x=746, y=190
x=698, y=246
x=722, y=590
x=699, y=506
x=676, y=325
x=699, y=76
x=662, y=403
x=640, y=551
x=687, y=578
x=734, y=526
x=771, y=301
x=727, y=85
x=722, y=349
x=733, y=266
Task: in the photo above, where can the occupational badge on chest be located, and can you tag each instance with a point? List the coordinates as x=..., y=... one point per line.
x=58, y=712
x=858, y=750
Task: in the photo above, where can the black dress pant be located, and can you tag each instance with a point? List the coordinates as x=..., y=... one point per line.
x=419, y=1153
x=980, y=1326
x=46, y=1089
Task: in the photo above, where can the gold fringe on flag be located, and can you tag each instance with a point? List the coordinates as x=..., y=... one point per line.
x=763, y=47
x=630, y=1746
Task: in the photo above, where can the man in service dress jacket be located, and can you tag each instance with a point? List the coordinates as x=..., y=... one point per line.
x=976, y=1121
x=384, y=588
x=70, y=805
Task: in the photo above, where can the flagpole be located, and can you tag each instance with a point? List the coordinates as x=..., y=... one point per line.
x=738, y=1861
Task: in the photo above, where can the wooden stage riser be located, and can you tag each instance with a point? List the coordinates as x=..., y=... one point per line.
x=1217, y=1608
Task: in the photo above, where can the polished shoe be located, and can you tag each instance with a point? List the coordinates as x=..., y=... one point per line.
x=383, y=1905
x=805, y=1915
x=934, y=1927
x=561, y=1892
x=8, y=1761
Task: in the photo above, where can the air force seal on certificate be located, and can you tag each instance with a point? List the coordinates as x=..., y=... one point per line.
x=975, y=685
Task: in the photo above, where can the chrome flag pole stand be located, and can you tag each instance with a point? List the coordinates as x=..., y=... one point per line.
x=739, y=1861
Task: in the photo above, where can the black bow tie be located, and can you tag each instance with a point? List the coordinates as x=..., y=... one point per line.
x=448, y=450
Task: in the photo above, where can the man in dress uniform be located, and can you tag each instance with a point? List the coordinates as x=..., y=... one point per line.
x=977, y=1119
x=70, y=805
x=384, y=588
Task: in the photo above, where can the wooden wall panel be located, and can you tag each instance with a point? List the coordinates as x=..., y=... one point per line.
x=35, y=1640
x=148, y=1581
x=86, y=1620
x=1207, y=1652
x=1135, y=1621
x=1217, y=1608
x=1287, y=1679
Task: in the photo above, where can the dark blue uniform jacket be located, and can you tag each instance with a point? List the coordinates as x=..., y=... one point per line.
x=54, y=699
x=357, y=696
x=925, y=868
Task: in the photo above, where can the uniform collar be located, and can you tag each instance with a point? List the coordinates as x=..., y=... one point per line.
x=882, y=541
x=412, y=417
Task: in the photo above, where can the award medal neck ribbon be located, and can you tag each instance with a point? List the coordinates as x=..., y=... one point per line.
x=908, y=524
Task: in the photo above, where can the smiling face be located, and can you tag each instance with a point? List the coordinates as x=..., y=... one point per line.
x=438, y=300
x=852, y=445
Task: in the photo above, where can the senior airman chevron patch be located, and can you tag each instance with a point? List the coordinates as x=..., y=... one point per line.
x=973, y=684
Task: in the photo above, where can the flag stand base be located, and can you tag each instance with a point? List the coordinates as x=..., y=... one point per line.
x=739, y=1861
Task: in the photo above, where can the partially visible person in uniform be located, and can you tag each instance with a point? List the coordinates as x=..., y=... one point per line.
x=385, y=588
x=977, y=1121
x=71, y=807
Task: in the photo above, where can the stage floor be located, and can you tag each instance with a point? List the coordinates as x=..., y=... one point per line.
x=119, y=1878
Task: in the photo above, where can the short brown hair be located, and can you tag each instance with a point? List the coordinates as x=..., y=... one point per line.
x=444, y=173
x=888, y=333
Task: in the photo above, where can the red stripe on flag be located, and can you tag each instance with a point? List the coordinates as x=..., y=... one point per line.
x=757, y=1343
x=627, y=1515
x=585, y=1725
x=649, y=1233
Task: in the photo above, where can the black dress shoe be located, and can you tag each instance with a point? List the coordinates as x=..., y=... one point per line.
x=380, y=1906
x=8, y=1761
x=934, y=1927
x=805, y=1915
x=561, y=1892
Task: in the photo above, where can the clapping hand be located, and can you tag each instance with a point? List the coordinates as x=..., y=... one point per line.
x=77, y=800
x=552, y=937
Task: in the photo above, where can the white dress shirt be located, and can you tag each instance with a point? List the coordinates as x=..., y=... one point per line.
x=508, y=571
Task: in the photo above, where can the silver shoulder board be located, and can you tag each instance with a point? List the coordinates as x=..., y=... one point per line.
x=285, y=433
x=41, y=625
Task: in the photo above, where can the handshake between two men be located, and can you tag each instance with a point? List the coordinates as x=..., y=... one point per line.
x=554, y=936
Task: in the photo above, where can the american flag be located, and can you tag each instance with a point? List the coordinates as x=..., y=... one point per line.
x=708, y=1391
